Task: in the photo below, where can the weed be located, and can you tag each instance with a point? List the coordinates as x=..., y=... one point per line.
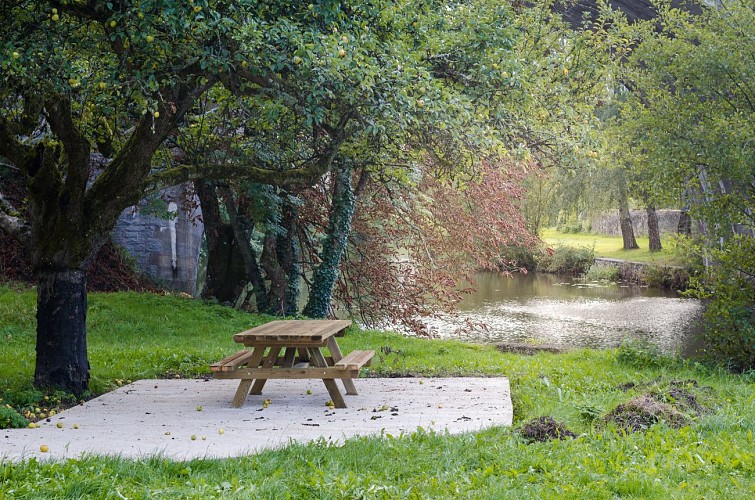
x=642, y=354
x=602, y=273
x=11, y=419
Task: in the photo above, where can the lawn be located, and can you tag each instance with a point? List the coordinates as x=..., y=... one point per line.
x=612, y=246
x=134, y=336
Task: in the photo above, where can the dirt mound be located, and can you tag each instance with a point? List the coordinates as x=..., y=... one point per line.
x=643, y=411
x=544, y=429
x=676, y=405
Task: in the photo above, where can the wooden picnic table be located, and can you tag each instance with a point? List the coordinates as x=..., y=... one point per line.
x=293, y=349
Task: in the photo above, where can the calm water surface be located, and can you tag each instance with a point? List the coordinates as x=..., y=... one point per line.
x=543, y=308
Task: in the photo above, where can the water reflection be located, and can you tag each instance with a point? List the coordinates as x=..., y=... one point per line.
x=550, y=309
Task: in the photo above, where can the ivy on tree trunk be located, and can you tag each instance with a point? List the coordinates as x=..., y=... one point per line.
x=333, y=247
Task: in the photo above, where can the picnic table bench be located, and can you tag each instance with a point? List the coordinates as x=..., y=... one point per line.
x=292, y=349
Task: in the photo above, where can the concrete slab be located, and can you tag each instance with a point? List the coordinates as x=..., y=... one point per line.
x=159, y=417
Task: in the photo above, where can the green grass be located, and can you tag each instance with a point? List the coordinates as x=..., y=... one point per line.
x=138, y=335
x=612, y=246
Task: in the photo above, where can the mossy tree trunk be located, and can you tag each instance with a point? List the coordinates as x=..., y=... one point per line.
x=69, y=217
x=290, y=258
x=242, y=230
x=333, y=247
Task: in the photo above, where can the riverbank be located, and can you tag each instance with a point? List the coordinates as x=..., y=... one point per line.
x=611, y=247
x=137, y=336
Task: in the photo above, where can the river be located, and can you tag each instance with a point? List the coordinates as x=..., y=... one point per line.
x=548, y=309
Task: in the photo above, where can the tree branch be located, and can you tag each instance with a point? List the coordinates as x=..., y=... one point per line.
x=123, y=181
x=76, y=146
x=11, y=148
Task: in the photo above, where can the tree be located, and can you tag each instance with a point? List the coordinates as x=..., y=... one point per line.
x=119, y=77
x=127, y=79
x=422, y=104
x=689, y=106
x=689, y=114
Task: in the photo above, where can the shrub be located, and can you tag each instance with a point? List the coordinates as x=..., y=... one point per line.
x=729, y=319
x=665, y=277
x=568, y=260
x=573, y=228
x=518, y=257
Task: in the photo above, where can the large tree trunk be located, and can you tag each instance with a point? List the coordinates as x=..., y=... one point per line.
x=685, y=223
x=339, y=228
x=654, y=233
x=61, y=331
x=625, y=219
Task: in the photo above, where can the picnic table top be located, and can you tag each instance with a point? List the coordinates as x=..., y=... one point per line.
x=292, y=331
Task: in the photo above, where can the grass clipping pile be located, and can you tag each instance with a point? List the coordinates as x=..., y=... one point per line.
x=676, y=403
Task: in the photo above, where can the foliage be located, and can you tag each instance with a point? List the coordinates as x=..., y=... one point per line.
x=711, y=457
x=686, y=111
x=567, y=260
x=519, y=257
x=730, y=315
x=414, y=246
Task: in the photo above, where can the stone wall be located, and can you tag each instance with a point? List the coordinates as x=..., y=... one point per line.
x=608, y=222
x=165, y=249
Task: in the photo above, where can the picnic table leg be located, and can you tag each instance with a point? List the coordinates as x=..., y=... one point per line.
x=335, y=351
x=288, y=358
x=335, y=395
x=268, y=363
x=243, y=391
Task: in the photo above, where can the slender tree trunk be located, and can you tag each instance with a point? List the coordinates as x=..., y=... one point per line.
x=339, y=228
x=685, y=221
x=625, y=219
x=242, y=235
x=225, y=264
x=654, y=233
x=61, y=331
x=276, y=274
x=289, y=257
